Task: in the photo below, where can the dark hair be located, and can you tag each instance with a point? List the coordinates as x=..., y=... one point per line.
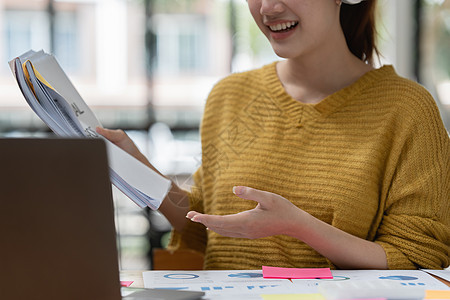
x=358, y=24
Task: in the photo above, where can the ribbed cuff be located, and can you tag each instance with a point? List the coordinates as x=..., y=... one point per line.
x=396, y=260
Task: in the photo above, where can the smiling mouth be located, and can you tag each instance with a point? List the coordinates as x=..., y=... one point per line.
x=283, y=27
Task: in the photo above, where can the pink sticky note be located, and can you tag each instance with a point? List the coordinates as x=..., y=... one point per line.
x=126, y=283
x=295, y=273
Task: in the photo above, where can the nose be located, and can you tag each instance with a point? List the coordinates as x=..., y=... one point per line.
x=271, y=7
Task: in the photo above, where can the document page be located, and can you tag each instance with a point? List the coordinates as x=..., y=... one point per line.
x=51, y=95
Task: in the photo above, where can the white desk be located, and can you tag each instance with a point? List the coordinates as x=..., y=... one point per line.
x=137, y=277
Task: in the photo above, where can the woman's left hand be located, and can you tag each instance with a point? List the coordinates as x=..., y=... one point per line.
x=276, y=215
x=273, y=215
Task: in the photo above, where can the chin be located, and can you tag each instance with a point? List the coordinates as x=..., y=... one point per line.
x=283, y=54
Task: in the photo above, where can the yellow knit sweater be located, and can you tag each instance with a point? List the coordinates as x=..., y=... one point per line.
x=373, y=159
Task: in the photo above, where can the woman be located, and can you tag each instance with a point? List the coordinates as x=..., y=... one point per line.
x=347, y=165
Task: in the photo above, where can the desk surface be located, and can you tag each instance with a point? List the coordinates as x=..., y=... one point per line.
x=444, y=281
x=135, y=276
x=138, y=281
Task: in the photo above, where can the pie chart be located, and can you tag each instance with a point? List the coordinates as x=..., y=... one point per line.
x=181, y=276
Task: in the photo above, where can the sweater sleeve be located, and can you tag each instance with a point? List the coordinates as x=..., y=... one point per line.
x=193, y=235
x=415, y=229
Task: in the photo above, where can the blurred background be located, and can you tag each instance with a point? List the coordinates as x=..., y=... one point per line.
x=147, y=66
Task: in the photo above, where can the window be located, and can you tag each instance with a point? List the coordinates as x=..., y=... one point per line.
x=435, y=50
x=24, y=30
x=182, y=44
x=66, y=41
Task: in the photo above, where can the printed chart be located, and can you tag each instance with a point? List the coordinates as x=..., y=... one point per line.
x=404, y=277
x=251, y=285
x=246, y=275
x=220, y=284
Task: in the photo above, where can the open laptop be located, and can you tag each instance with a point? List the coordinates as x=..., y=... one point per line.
x=58, y=238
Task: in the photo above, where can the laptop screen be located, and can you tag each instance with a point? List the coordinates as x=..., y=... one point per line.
x=56, y=221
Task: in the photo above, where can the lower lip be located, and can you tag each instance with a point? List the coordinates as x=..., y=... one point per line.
x=282, y=35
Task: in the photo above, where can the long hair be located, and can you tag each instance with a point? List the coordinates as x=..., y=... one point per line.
x=358, y=24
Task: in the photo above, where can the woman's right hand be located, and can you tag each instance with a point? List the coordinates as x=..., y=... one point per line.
x=123, y=141
x=177, y=207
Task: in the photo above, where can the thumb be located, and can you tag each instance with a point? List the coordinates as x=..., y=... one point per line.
x=262, y=197
x=114, y=136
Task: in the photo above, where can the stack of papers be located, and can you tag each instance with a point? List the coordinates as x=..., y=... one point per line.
x=51, y=95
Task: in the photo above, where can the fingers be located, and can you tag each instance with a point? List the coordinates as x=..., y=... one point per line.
x=265, y=200
x=214, y=221
x=254, y=223
x=123, y=141
x=114, y=136
x=228, y=225
x=191, y=214
x=203, y=218
x=103, y=131
x=248, y=193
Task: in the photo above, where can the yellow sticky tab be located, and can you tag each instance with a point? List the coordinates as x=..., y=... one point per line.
x=293, y=297
x=432, y=294
x=36, y=73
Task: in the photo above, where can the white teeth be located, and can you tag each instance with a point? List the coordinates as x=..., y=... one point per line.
x=282, y=26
